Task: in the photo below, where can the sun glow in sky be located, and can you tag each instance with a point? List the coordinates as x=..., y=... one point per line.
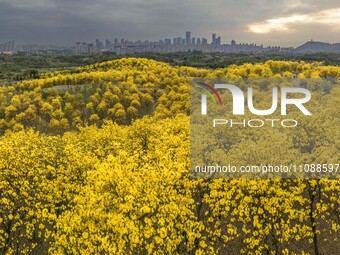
x=329, y=17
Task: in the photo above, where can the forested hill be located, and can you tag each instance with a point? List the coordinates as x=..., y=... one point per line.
x=120, y=182
x=121, y=90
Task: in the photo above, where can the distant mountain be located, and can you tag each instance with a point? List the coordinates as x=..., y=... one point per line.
x=313, y=46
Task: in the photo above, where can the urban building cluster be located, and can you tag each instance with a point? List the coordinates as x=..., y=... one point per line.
x=176, y=44
x=185, y=43
x=7, y=46
x=43, y=48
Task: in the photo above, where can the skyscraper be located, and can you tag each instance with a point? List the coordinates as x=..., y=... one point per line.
x=107, y=44
x=78, y=47
x=167, y=41
x=97, y=43
x=193, y=41
x=218, y=41
x=213, y=41
x=188, y=38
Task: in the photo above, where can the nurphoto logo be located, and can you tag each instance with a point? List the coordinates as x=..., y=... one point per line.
x=239, y=99
x=294, y=96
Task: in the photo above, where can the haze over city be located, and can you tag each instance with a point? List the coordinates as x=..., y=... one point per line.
x=63, y=22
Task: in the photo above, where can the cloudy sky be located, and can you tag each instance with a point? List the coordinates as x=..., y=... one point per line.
x=63, y=22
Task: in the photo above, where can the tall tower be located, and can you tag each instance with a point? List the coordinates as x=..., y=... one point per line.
x=193, y=41
x=213, y=41
x=218, y=41
x=188, y=38
x=98, y=44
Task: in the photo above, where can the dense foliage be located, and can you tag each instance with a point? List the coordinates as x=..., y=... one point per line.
x=96, y=161
x=22, y=65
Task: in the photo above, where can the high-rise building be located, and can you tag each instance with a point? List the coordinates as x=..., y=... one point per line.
x=193, y=41
x=204, y=41
x=218, y=41
x=198, y=41
x=97, y=43
x=213, y=40
x=84, y=47
x=91, y=48
x=107, y=44
x=167, y=41
x=78, y=47
x=188, y=38
x=11, y=45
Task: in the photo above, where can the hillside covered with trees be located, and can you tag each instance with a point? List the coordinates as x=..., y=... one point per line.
x=96, y=160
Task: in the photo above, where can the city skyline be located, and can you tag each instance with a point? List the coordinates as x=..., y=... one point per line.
x=287, y=23
x=187, y=42
x=184, y=37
